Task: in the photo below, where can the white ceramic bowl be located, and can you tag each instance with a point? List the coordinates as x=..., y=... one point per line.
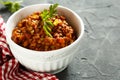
x=45, y=61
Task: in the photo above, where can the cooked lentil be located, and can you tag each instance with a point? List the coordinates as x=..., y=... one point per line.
x=29, y=33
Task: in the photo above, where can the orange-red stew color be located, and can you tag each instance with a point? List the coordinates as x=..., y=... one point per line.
x=29, y=33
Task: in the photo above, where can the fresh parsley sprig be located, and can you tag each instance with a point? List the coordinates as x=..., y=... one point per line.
x=12, y=6
x=46, y=15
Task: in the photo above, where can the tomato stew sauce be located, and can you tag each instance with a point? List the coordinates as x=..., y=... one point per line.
x=29, y=33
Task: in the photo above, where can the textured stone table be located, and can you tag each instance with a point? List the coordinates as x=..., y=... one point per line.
x=99, y=54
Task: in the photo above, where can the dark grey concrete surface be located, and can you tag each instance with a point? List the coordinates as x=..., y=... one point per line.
x=99, y=54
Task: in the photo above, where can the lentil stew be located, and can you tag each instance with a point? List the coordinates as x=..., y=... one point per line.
x=29, y=33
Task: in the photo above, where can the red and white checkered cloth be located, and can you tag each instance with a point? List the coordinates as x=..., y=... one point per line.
x=10, y=68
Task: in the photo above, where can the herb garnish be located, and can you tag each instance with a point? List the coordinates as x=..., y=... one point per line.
x=12, y=6
x=46, y=15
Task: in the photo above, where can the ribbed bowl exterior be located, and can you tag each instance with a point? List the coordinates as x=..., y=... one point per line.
x=51, y=67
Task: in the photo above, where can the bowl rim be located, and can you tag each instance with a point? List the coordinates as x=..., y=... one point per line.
x=45, y=52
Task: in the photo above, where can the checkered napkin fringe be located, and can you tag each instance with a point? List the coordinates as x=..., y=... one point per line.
x=10, y=69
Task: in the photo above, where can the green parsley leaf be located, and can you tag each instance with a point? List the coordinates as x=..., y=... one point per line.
x=52, y=9
x=12, y=6
x=49, y=23
x=46, y=15
x=45, y=27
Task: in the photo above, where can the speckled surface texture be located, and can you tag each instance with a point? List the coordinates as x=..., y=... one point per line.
x=99, y=50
